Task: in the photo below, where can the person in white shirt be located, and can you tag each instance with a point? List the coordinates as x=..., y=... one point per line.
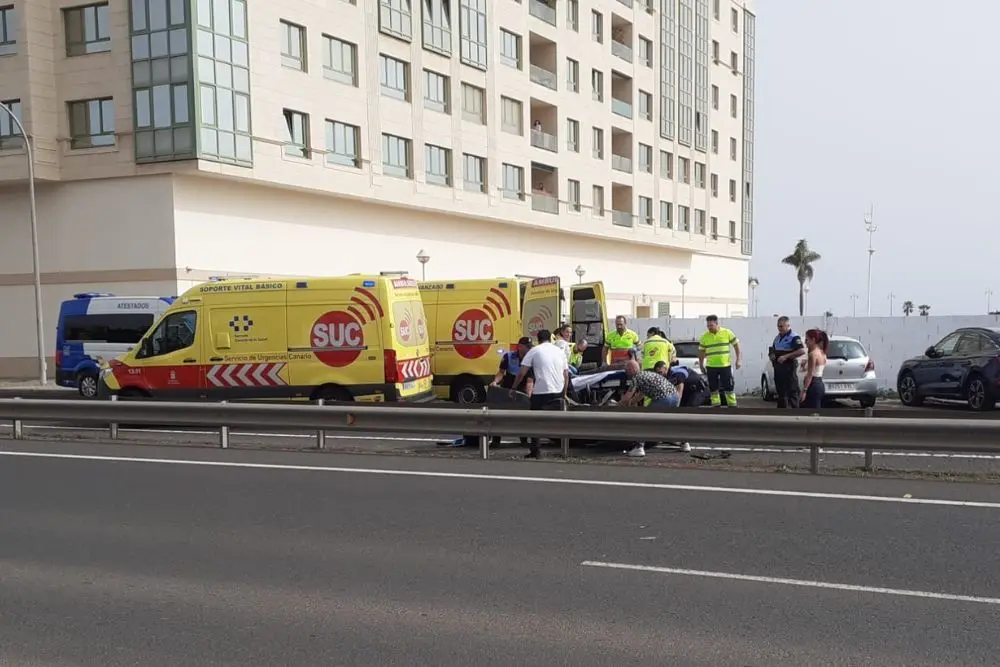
x=550, y=367
x=561, y=338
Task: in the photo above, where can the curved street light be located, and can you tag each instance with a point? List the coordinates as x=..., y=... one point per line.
x=423, y=258
x=580, y=272
x=753, y=283
x=683, y=281
x=36, y=271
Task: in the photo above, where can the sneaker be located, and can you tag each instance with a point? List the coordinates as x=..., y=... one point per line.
x=636, y=452
x=684, y=446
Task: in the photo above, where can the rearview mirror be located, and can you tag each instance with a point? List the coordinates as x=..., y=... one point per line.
x=930, y=352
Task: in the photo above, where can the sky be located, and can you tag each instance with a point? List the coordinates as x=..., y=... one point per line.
x=891, y=101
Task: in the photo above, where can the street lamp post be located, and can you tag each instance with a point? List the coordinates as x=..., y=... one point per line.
x=989, y=301
x=423, y=258
x=871, y=228
x=683, y=281
x=753, y=296
x=892, y=298
x=36, y=271
x=805, y=300
x=854, y=305
x=579, y=271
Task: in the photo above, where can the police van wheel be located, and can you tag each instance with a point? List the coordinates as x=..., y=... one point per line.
x=86, y=384
x=468, y=391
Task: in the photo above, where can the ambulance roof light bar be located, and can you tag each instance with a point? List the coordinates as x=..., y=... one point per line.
x=394, y=274
x=215, y=279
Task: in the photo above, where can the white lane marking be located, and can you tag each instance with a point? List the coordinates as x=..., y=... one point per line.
x=795, y=582
x=512, y=478
x=736, y=448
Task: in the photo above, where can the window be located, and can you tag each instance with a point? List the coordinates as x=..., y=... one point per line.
x=120, y=328
x=293, y=46
x=734, y=106
x=297, y=134
x=646, y=210
x=573, y=135
x=438, y=165
x=732, y=231
x=597, y=26
x=340, y=60
x=92, y=123
x=343, y=144
x=645, y=158
x=645, y=105
x=699, y=175
x=511, y=116
x=473, y=104
x=473, y=28
x=394, y=76
x=8, y=32
x=666, y=215
x=474, y=173
x=715, y=142
x=715, y=97
x=714, y=180
x=597, y=83
x=510, y=49
x=572, y=75
x=88, y=29
x=699, y=221
x=714, y=228
x=175, y=333
x=396, y=154
x=732, y=148
x=10, y=135
x=732, y=190
x=513, y=182
x=573, y=195
x=684, y=167
x=734, y=62
x=715, y=51
x=394, y=18
x=573, y=15
x=437, y=91
x=437, y=26
x=684, y=219
x=666, y=165
x=735, y=16
x=646, y=51
x=598, y=143
x=597, y=206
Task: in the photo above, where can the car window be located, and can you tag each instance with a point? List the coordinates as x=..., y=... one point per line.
x=686, y=349
x=968, y=344
x=948, y=344
x=990, y=346
x=845, y=349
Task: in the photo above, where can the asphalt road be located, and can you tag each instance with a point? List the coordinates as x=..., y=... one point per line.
x=112, y=562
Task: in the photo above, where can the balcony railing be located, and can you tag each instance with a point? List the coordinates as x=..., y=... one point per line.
x=544, y=203
x=623, y=51
x=542, y=11
x=545, y=141
x=621, y=107
x=621, y=163
x=622, y=218
x=544, y=77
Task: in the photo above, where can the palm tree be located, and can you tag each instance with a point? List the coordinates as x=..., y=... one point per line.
x=924, y=309
x=828, y=313
x=802, y=260
x=907, y=308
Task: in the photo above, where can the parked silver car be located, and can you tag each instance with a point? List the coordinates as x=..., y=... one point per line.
x=850, y=373
x=687, y=353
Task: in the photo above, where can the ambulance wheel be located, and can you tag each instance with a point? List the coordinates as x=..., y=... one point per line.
x=332, y=394
x=467, y=390
x=86, y=384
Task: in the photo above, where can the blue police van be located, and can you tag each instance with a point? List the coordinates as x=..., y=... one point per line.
x=96, y=327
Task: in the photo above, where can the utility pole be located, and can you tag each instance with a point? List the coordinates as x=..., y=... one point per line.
x=871, y=228
x=892, y=297
x=989, y=301
x=854, y=305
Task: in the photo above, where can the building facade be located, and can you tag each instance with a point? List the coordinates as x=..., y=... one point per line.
x=175, y=140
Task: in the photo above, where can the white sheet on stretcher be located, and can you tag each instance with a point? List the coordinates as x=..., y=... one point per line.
x=584, y=381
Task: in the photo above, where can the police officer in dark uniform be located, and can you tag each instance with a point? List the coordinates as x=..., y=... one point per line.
x=510, y=366
x=784, y=354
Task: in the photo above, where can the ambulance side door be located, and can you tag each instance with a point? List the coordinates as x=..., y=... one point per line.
x=589, y=317
x=170, y=359
x=540, y=306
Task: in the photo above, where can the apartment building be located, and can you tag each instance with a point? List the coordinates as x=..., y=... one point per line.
x=175, y=140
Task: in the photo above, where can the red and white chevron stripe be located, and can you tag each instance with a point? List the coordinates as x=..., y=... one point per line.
x=230, y=376
x=414, y=369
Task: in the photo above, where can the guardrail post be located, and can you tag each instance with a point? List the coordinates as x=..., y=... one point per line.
x=814, y=452
x=224, y=433
x=565, y=440
x=18, y=425
x=321, y=433
x=869, y=454
x=484, y=439
x=113, y=427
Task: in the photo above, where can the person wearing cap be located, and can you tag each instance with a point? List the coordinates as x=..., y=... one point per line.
x=510, y=366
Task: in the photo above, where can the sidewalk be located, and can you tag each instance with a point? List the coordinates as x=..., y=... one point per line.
x=32, y=389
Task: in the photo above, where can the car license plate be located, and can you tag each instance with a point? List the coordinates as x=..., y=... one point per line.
x=838, y=387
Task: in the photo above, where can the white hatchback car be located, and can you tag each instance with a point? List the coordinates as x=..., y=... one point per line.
x=850, y=373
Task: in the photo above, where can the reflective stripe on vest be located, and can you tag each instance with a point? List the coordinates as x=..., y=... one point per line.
x=716, y=347
x=625, y=341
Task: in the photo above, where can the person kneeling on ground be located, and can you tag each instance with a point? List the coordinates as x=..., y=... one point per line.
x=652, y=390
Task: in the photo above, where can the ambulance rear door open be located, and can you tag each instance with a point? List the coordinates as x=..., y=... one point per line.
x=589, y=317
x=540, y=305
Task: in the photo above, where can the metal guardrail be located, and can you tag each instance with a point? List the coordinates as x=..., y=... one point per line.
x=789, y=432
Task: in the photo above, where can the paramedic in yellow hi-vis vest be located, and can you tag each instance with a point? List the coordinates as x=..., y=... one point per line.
x=713, y=357
x=656, y=348
x=620, y=342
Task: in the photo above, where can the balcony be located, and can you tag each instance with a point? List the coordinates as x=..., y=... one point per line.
x=544, y=77
x=627, y=3
x=621, y=108
x=544, y=203
x=620, y=50
x=621, y=163
x=622, y=219
x=545, y=141
x=544, y=189
x=544, y=124
x=542, y=11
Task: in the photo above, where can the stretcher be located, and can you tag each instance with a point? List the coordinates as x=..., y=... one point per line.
x=599, y=387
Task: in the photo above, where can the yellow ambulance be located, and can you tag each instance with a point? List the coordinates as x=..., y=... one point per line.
x=474, y=322
x=351, y=338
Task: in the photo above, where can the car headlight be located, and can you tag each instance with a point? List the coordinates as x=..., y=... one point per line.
x=105, y=372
